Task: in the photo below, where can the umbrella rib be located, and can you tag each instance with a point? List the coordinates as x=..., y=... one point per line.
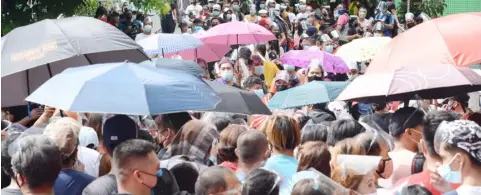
x=70, y=43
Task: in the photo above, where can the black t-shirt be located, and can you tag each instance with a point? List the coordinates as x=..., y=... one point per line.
x=105, y=185
x=10, y=191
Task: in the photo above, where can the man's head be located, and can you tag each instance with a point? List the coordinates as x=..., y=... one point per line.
x=36, y=162
x=216, y=180
x=382, y=7
x=406, y=126
x=362, y=12
x=7, y=149
x=226, y=69
x=342, y=129
x=281, y=80
x=136, y=166
x=253, y=83
x=64, y=133
x=183, y=27
x=169, y=125
x=431, y=123
x=263, y=13
x=251, y=148
x=458, y=103
x=117, y=129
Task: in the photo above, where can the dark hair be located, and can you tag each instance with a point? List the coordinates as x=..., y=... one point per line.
x=212, y=180
x=260, y=182
x=314, y=154
x=415, y=190
x=221, y=122
x=251, y=81
x=197, y=21
x=175, y=120
x=342, y=129
x=431, y=123
x=100, y=11
x=228, y=142
x=38, y=160
x=308, y=187
x=94, y=121
x=238, y=121
x=251, y=146
x=378, y=106
x=186, y=175
x=245, y=53
x=404, y=118
x=127, y=153
x=261, y=48
x=315, y=132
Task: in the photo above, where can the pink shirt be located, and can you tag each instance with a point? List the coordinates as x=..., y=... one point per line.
x=343, y=19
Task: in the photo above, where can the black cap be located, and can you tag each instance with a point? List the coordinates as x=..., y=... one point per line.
x=118, y=129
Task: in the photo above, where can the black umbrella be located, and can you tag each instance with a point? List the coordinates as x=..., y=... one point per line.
x=236, y=100
x=34, y=53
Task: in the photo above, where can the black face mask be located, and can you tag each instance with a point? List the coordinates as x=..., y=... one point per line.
x=281, y=87
x=314, y=78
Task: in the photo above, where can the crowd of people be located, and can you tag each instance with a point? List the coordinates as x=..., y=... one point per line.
x=421, y=147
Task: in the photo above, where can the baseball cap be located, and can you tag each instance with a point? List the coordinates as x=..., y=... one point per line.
x=117, y=129
x=282, y=75
x=88, y=138
x=311, y=30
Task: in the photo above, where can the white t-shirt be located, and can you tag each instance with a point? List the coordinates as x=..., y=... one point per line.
x=468, y=190
x=402, y=162
x=141, y=36
x=90, y=159
x=195, y=9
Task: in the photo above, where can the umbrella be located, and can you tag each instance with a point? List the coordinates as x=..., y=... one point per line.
x=237, y=100
x=314, y=92
x=237, y=33
x=302, y=58
x=125, y=88
x=29, y=60
x=208, y=52
x=364, y=49
x=187, y=66
x=452, y=39
x=164, y=43
x=429, y=82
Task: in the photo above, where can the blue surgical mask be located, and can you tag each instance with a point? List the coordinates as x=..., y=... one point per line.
x=259, y=92
x=213, y=159
x=449, y=175
x=329, y=48
x=258, y=70
x=227, y=75
x=289, y=67
x=262, y=6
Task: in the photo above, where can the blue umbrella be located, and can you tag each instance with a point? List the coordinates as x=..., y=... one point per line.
x=314, y=92
x=160, y=44
x=125, y=88
x=187, y=66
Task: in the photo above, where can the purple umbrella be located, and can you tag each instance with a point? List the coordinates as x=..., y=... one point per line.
x=302, y=58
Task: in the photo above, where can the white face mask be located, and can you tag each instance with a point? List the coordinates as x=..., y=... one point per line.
x=227, y=75
x=148, y=28
x=258, y=70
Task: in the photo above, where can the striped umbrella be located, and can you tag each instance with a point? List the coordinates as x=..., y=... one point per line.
x=161, y=44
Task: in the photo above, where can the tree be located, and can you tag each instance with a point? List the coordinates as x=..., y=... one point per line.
x=433, y=8
x=17, y=13
x=89, y=7
x=157, y=6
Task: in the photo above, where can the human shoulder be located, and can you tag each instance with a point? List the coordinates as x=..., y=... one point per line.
x=104, y=185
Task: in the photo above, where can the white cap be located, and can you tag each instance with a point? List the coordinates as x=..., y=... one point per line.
x=88, y=136
x=262, y=11
x=216, y=7
x=409, y=16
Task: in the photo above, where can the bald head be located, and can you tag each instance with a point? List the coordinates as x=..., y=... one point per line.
x=251, y=146
x=214, y=180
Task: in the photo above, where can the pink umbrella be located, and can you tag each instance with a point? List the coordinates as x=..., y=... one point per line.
x=209, y=52
x=302, y=58
x=237, y=33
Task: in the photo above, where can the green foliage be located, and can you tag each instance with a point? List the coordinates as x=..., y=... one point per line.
x=17, y=13
x=433, y=8
x=89, y=7
x=156, y=6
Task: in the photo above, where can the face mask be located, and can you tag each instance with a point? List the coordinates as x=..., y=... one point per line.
x=236, y=7
x=227, y=75
x=147, y=28
x=377, y=34
x=259, y=93
x=253, y=12
x=341, y=11
x=314, y=78
x=262, y=6
x=259, y=70
x=449, y=175
x=228, y=16
x=289, y=67
x=213, y=159
x=281, y=87
x=329, y=48
x=216, y=13
x=277, y=12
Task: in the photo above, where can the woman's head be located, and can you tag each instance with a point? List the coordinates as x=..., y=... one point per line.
x=282, y=132
x=228, y=142
x=314, y=154
x=315, y=71
x=314, y=132
x=313, y=187
x=363, y=184
x=261, y=182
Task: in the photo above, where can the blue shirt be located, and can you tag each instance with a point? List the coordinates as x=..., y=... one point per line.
x=386, y=18
x=283, y=165
x=71, y=182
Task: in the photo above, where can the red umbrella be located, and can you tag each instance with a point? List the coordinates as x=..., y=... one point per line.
x=453, y=39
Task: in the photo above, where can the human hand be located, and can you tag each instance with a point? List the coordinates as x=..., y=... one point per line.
x=36, y=113
x=49, y=111
x=438, y=182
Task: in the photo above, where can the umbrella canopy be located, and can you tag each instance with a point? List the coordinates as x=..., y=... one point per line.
x=125, y=88
x=450, y=39
x=429, y=82
x=364, y=49
x=314, y=92
x=163, y=43
x=237, y=100
x=302, y=58
x=30, y=60
x=208, y=52
x=187, y=66
x=237, y=33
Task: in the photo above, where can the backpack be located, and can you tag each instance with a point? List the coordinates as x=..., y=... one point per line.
x=417, y=163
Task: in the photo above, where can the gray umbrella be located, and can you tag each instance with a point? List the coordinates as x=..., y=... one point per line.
x=32, y=54
x=238, y=101
x=187, y=66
